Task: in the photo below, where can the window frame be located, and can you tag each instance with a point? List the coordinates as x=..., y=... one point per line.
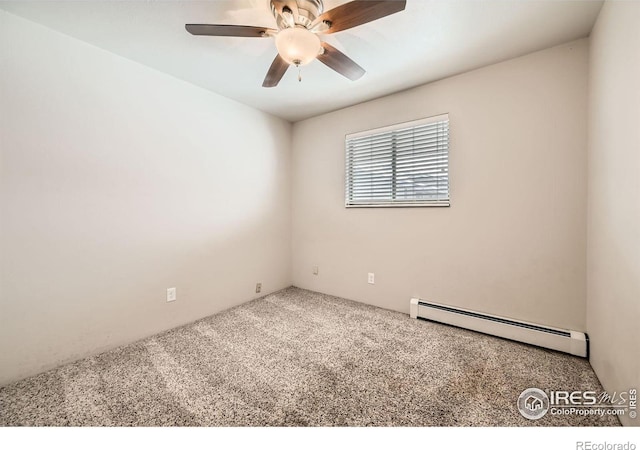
x=398, y=203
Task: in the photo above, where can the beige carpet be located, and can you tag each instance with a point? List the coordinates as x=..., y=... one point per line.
x=298, y=358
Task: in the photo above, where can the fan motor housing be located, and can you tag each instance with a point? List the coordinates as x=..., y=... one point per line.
x=308, y=12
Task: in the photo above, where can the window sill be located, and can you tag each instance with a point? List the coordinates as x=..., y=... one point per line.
x=402, y=205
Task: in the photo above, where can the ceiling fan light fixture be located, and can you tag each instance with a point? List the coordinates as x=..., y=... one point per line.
x=298, y=21
x=298, y=46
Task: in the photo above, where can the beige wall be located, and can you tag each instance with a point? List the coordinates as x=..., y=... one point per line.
x=613, y=304
x=513, y=242
x=118, y=182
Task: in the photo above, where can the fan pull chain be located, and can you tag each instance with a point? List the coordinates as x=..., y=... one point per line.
x=299, y=74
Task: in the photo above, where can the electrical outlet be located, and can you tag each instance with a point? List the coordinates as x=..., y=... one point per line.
x=171, y=295
x=258, y=288
x=371, y=279
x=315, y=270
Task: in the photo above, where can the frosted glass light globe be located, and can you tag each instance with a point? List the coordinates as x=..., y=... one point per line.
x=297, y=46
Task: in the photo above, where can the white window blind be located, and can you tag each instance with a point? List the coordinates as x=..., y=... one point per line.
x=401, y=165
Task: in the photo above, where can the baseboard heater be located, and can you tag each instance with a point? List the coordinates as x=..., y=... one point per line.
x=573, y=342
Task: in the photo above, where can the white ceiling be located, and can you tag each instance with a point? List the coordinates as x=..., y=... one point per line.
x=430, y=40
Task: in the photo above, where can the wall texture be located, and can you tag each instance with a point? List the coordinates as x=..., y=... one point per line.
x=118, y=182
x=513, y=242
x=613, y=293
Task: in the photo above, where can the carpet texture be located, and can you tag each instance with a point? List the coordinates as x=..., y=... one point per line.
x=299, y=358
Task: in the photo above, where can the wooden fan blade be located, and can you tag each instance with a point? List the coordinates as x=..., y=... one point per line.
x=229, y=30
x=341, y=63
x=276, y=72
x=359, y=12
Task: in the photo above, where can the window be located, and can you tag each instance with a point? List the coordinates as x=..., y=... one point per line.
x=401, y=165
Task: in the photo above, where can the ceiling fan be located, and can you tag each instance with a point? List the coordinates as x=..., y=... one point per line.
x=300, y=22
